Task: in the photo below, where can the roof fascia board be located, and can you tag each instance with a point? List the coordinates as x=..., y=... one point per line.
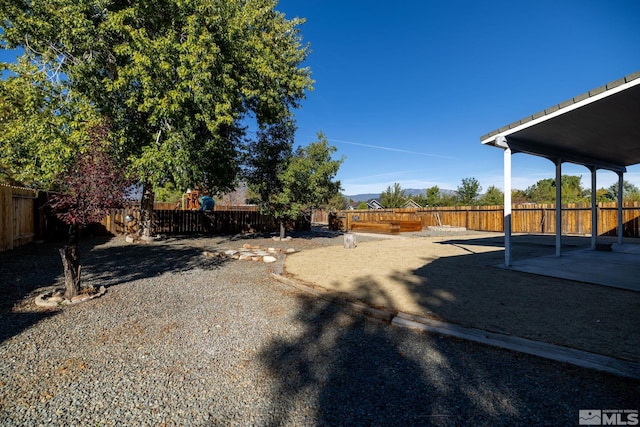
x=491, y=140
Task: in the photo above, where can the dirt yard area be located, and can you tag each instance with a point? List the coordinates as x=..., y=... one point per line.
x=456, y=279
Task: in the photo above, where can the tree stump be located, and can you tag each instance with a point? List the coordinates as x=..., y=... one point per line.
x=350, y=241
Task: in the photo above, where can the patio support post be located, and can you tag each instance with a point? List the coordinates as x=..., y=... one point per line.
x=558, y=207
x=507, y=207
x=594, y=209
x=620, y=200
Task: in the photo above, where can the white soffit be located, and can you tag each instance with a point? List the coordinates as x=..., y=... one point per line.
x=600, y=128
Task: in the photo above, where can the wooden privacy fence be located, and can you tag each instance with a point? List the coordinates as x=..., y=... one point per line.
x=25, y=217
x=223, y=220
x=17, y=224
x=320, y=216
x=527, y=218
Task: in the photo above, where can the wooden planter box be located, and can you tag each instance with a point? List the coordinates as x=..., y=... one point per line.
x=386, y=227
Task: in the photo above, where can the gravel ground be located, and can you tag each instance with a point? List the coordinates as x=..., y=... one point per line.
x=183, y=339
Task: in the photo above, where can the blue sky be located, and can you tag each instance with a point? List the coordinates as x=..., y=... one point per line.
x=404, y=90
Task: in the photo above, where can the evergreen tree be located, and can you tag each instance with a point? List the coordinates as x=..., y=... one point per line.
x=393, y=197
x=467, y=193
x=433, y=196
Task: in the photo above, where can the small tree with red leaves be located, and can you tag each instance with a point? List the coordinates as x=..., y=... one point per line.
x=93, y=185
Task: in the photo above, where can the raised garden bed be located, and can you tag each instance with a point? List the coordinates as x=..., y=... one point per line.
x=386, y=227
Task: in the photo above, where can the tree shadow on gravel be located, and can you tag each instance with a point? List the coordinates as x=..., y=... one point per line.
x=109, y=265
x=24, y=272
x=315, y=233
x=343, y=369
x=347, y=369
x=30, y=270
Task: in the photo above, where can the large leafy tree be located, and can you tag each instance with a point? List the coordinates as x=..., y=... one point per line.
x=544, y=191
x=178, y=79
x=572, y=190
x=42, y=127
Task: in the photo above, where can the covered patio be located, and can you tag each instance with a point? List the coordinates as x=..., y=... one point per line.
x=599, y=130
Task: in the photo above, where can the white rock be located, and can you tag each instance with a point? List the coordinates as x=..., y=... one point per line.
x=269, y=259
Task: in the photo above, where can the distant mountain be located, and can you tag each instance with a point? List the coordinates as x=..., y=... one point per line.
x=409, y=192
x=363, y=197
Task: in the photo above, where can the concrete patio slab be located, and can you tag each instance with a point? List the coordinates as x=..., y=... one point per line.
x=618, y=268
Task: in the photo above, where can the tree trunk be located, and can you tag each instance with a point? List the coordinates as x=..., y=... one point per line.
x=282, y=231
x=146, y=212
x=71, y=264
x=350, y=241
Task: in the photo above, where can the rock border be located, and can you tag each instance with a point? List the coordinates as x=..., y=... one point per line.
x=55, y=298
x=249, y=253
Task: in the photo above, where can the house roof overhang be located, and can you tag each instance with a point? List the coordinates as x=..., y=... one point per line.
x=599, y=129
